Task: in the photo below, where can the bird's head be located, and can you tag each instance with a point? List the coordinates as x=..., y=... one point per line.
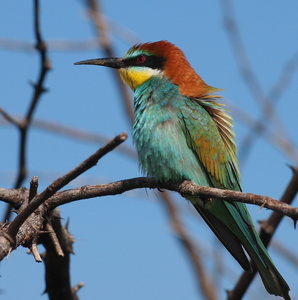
x=161, y=58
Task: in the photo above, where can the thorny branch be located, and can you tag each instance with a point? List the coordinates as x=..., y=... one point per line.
x=186, y=188
x=57, y=259
x=27, y=227
x=61, y=182
x=119, y=187
x=38, y=91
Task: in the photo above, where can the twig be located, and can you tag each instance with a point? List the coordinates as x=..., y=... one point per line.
x=7, y=242
x=57, y=266
x=54, y=239
x=14, y=197
x=38, y=90
x=33, y=188
x=61, y=182
x=75, y=289
x=9, y=118
x=35, y=252
x=186, y=188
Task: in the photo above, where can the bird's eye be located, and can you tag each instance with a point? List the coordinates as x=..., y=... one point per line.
x=141, y=59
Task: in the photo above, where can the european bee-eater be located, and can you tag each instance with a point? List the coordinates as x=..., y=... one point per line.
x=181, y=132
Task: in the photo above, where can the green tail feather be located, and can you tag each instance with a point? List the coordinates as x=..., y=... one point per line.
x=273, y=281
x=232, y=224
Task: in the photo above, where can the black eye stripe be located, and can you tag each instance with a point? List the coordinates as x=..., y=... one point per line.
x=150, y=61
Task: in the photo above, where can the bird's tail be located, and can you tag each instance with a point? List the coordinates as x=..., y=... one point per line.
x=273, y=281
x=233, y=226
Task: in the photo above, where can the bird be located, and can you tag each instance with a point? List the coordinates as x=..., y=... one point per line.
x=182, y=132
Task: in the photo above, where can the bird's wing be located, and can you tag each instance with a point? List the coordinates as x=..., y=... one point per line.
x=214, y=147
x=209, y=132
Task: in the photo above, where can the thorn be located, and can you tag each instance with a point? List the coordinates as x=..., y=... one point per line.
x=35, y=86
x=261, y=207
x=35, y=252
x=66, y=224
x=54, y=239
x=44, y=90
x=33, y=187
x=77, y=287
x=9, y=251
x=45, y=291
x=229, y=293
x=295, y=223
x=291, y=167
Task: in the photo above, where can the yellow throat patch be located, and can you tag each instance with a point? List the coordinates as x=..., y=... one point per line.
x=136, y=77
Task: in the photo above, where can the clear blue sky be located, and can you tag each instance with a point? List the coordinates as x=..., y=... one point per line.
x=125, y=247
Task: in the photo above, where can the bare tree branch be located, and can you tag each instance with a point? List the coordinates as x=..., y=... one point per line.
x=119, y=187
x=186, y=188
x=57, y=259
x=38, y=90
x=9, y=118
x=26, y=226
x=61, y=182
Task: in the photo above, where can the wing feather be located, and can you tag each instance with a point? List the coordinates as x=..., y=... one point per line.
x=209, y=132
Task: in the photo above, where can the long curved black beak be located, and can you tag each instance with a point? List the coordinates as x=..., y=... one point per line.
x=112, y=62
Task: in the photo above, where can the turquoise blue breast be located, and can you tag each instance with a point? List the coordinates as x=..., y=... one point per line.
x=158, y=133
